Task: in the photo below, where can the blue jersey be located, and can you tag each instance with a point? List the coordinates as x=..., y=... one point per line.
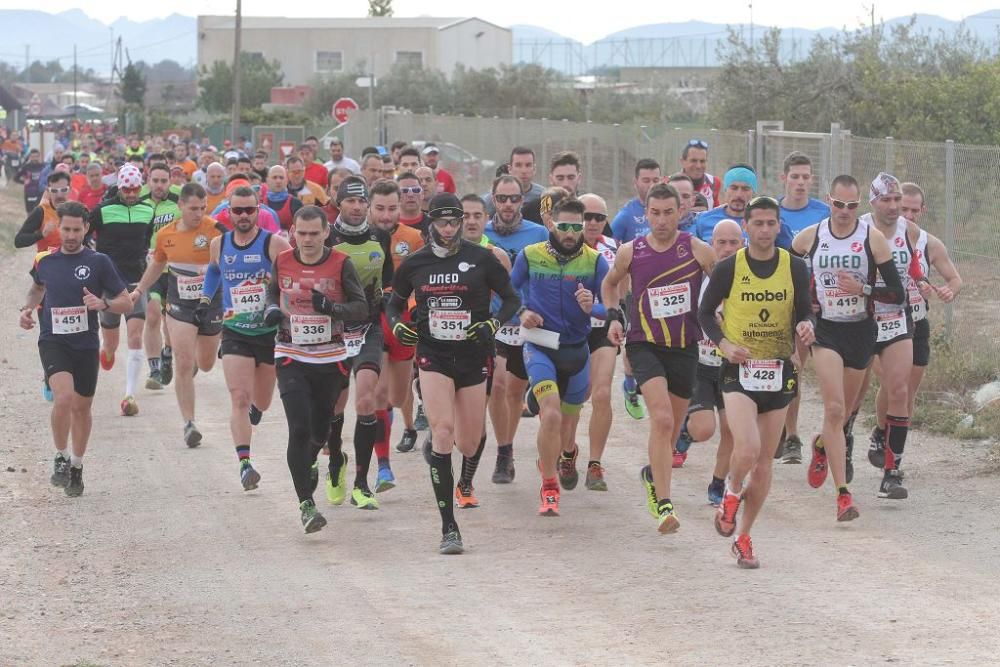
x=526, y=234
x=63, y=318
x=630, y=222
x=246, y=274
x=798, y=219
x=705, y=224
x=549, y=287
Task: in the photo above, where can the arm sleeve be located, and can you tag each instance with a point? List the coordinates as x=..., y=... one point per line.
x=387, y=265
x=213, y=276
x=519, y=273
x=500, y=284
x=718, y=289
x=30, y=231
x=356, y=307
x=395, y=308
x=893, y=291
x=803, y=298
x=402, y=284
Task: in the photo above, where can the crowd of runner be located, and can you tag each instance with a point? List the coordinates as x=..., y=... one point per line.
x=445, y=310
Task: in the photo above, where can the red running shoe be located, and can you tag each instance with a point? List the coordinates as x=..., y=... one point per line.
x=107, y=361
x=846, y=511
x=743, y=550
x=550, y=501
x=725, y=515
x=816, y=474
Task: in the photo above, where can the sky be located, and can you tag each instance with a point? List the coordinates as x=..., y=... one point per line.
x=579, y=19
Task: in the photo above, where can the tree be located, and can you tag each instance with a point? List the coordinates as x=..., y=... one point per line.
x=258, y=77
x=133, y=86
x=379, y=7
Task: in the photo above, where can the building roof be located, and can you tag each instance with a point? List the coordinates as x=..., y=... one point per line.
x=214, y=22
x=8, y=101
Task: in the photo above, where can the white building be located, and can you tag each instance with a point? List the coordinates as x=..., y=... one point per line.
x=307, y=47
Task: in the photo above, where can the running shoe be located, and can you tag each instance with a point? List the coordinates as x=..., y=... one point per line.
x=385, y=480
x=634, y=405
x=550, y=501
x=725, y=516
x=504, y=472
x=595, y=478
x=47, y=391
x=743, y=550
x=668, y=521
x=792, y=451
x=166, y=365
x=683, y=440
x=817, y=466
x=846, y=511
x=364, y=499
x=876, y=448
x=335, y=493
x=249, y=477
x=849, y=440
x=568, y=475
x=107, y=360
x=716, y=491
x=255, y=415
x=75, y=487
x=60, y=472
x=420, y=421
x=408, y=441
x=192, y=436
x=679, y=459
x=155, y=381
x=892, y=486
x=312, y=520
x=451, y=544
x=465, y=496
x=129, y=407
x=646, y=475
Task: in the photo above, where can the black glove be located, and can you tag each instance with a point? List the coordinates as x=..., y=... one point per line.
x=321, y=304
x=200, y=315
x=273, y=316
x=404, y=334
x=483, y=332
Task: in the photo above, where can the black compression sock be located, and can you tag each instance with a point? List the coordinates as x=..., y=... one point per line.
x=443, y=482
x=471, y=463
x=849, y=424
x=364, y=444
x=896, y=430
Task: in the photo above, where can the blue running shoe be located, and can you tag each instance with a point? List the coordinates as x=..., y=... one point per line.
x=47, y=391
x=385, y=480
x=683, y=439
x=716, y=490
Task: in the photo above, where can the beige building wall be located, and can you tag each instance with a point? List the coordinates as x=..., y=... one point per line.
x=475, y=43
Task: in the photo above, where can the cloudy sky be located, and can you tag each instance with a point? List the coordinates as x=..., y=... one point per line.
x=578, y=19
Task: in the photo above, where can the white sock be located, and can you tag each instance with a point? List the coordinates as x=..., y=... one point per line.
x=76, y=461
x=133, y=370
x=62, y=453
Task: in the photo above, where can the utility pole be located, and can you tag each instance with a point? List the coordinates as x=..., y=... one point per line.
x=76, y=109
x=236, y=70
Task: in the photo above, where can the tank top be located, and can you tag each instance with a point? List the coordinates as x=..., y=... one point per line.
x=607, y=246
x=759, y=312
x=918, y=305
x=708, y=352
x=902, y=255
x=664, y=288
x=304, y=334
x=827, y=257
x=246, y=274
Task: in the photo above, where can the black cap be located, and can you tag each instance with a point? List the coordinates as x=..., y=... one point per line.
x=352, y=186
x=445, y=205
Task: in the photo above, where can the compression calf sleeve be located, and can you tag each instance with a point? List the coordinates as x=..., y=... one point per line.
x=442, y=479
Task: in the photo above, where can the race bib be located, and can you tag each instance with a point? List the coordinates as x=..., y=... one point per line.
x=69, y=320
x=247, y=299
x=761, y=374
x=918, y=307
x=449, y=324
x=510, y=334
x=354, y=341
x=837, y=304
x=189, y=287
x=708, y=353
x=890, y=325
x=669, y=300
x=310, y=329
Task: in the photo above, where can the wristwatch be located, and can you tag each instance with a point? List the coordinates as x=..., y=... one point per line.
x=866, y=289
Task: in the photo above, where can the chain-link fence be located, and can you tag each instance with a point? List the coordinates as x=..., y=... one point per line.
x=961, y=182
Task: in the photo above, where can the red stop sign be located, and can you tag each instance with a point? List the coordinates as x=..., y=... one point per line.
x=342, y=107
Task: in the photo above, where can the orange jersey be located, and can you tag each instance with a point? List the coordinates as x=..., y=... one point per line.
x=187, y=250
x=405, y=242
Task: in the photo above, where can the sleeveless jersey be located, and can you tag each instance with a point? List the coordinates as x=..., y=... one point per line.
x=664, y=288
x=607, y=247
x=918, y=305
x=759, y=313
x=708, y=352
x=246, y=274
x=902, y=255
x=827, y=257
x=304, y=334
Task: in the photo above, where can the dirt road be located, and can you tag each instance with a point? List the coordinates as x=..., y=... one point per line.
x=166, y=561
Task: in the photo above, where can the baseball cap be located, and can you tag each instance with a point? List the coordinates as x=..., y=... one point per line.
x=431, y=148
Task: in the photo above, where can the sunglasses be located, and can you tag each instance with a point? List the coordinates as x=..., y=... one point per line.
x=513, y=199
x=698, y=143
x=447, y=222
x=589, y=216
x=129, y=191
x=242, y=210
x=569, y=226
x=849, y=205
x=60, y=191
x=414, y=190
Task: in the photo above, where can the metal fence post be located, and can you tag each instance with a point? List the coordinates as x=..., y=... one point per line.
x=517, y=126
x=949, y=219
x=545, y=146
x=590, y=152
x=890, y=155
x=835, y=161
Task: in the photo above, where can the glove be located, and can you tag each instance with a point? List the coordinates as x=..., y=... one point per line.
x=321, y=304
x=483, y=332
x=200, y=314
x=273, y=316
x=404, y=334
